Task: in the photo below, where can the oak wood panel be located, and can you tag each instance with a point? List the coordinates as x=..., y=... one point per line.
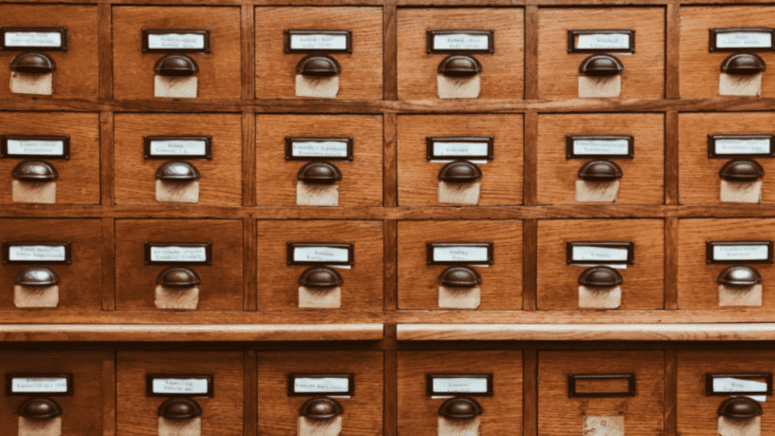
x=276, y=178
x=560, y=415
x=643, y=180
x=221, y=287
x=643, y=286
x=80, y=284
x=219, y=71
x=502, y=72
x=278, y=282
x=279, y=413
x=501, y=182
x=418, y=286
x=137, y=413
x=361, y=76
x=418, y=413
x=644, y=70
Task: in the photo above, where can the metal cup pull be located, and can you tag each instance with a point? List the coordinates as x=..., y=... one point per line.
x=318, y=65
x=33, y=63
x=739, y=276
x=743, y=63
x=460, y=171
x=745, y=170
x=460, y=408
x=460, y=66
x=600, y=171
x=34, y=171
x=320, y=277
x=177, y=65
x=37, y=276
x=39, y=408
x=179, y=408
x=177, y=171
x=460, y=277
x=600, y=277
x=319, y=173
x=178, y=277
x=601, y=65
x=321, y=408
x=740, y=408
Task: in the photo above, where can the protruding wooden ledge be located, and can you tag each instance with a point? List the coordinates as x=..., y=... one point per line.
x=586, y=332
x=190, y=333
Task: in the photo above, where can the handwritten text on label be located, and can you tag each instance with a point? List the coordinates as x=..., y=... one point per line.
x=474, y=385
x=176, y=41
x=442, y=149
x=33, y=39
x=619, y=41
x=319, y=149
x=35, y=147
x=39, y=384
x=318, y=42
x=461, y=41
x=744, y=40
x=599, y=254
x=742, y=146
x=180, y=386
x=322, y=384
x=460, y=254
x=320, y=254
x=178, y=254
x=178, y=147
x=740, y=252
x=37, y=253
x=607, y=147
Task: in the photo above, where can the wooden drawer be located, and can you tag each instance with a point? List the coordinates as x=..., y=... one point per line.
x=566, y=144
x=418, y=412
x=79, y=372
x=361, y=69
x=218, y=73
x=277, y=167
x=640, y=412
x=76, y=74
x=698, y=411
x=220, y=274
x=78, y=177
x=138, y=161
x=698, y=286
x=279, y=270
x=501, y=75
x=559, y=69
x=558, y=280
x=418, y=172
x=700, y=182
x=279, y=411
x=137, y=411
x=418, y=280
x=699, y=67
x=80, y=281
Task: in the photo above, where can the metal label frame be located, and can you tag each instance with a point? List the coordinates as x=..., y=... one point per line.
x=9, y=384
x=712, y=146
x=710, y=392
x=293, y=376
x=204, y=32
x=572, y=34
x=349, y=246
x=431, y=245
x=288, y=34
x=570, y=139
x=60, y=30
x=208, y=246
x=429, y=377
x=573, y=378
x=629, y=246
x=430, y=140
x=65, y=146
x=710, y=260
x=713, y=33
x=149, y=378
x=430, y=34
x=208, y=140
x=289, y=140
x=7, y=251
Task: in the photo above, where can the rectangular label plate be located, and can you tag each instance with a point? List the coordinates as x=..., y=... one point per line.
x=741, y=38
x=318, y=41
x=477, y=385
x=460, y=253
x=178, y=147
x=333, y=253
x=178, y=253
x=33, y=38
x=574, y=378
x=318, y=148
x=726, y=252
x=719, y=385
x=599, y=146
x=176, y=40
x=731, y=146
x=460, y=147
x=34, y=146
x=179, y=385
x=36, y=253
x=307, y=385
x=604, y=253
x=461, y=41
x=601, y=41
x=30, y=384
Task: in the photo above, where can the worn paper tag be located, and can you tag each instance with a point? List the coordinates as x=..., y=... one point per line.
x=601, y=41
x=34, y=192
x=320, y=427
x=737, y=296
x=459, y=193
x=739, y=427
x=177, y=298
x=304, y=385
x=458, y=427
x=35, y=147
x=317, y=87
x=177, y=192
x=599, y=254
x=325, y=298
x=36, y=296
x=176, y=41
x=37, y=39
x=175, y=87
x=603, y=192
x=730, y=146
x=593, y=87
x=743, y=40
x=180, y=427
x=603, y=426
x=600, y=298
x=741, y=192
x=309, y=194
x=601, y=147
x=40, y=427
x=44, y=385
x=318, y=41
x=36, y=84
x=187, y=386
x=737, y=84
x=37, y=253
x=461, y=41
x=458, y=87
x=733, y=385
x=459, y=298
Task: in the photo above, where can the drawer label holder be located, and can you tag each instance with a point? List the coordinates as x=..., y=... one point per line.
x=601, y=41
x=726, y=252
x=741, y=38
x=475, y=385
x=599, y=147
x=731, y=146
x=195, y=41
x=460, y=147
x=461, y=41
x=26, y=384
x=178, y=147
x=178, y=253
x=34, y=146
x=334, y=253
x=304, y=385
x=738, y=384
x=179, y=385
x=33, y=38
x=318, y=41
x=605, y=253
x=574, y=379
x=318, y=148
x=460, y=253
x=36, y=253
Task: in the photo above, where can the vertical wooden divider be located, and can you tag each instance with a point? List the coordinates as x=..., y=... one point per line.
x=671, y=392
x=671, y=221
x=672, y=42
x=529, y=265
x=390, y=66
x=109, y=394
x=250, y=389
x=248, y=51
x=531, y=52
x=389, y=160
x=530, y=161
x=390, y=382
x=106, y=206
x=105, y=51
x=530, y=391
x=671, y=263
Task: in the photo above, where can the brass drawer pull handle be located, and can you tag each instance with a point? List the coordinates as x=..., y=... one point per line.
x=321, y=408
x=179, y=408
x=600, y=277
x=319, y=173
x=460, y=66
x=39, y=408
x=460, y=171
x=600, y=171
x=460, y=408
x=743, y=63
x=33, y=63
x=460, y=277
x=37, y=276
x=740, y=408
x=178, y=277
x=179, y=65
x=318, y=65
x=739, y=275
x=34, y=171
x=320, y=277
x=177, y=171
x=601, y=65
x=741, y=171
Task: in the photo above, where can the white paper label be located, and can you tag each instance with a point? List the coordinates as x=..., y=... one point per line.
x=734, y=385
x=321, y=254
x=442, y=149
x=33, y=39
x=740, y=252
x=615, y=41
x=601, y=147
x=46, y=253
x=178, y=254
x=322, y=384
x=178, y=147
x=599, y=254
x=744, y=40
x=318, y=42
x=39, y=384
x=319, y=149
x=35, y=147
x=460, y=254
x=192, y=386
x=742, y=146
x=176, y=41
x=461, y=41
x=473, y=385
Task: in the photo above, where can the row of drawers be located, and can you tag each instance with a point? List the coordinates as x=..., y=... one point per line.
x=359, y=59
x=208, y=148
x=589, y=263
x=619, y=389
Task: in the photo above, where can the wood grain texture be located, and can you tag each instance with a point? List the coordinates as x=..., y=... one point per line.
x=671, y=392
x=79, y=177
x=501, y=182
x=361, y=76
x=643, y=286
x=671, y=158
x=644, y=70
x=390, y=160
x=643, y=179
x=137, y=413
x=108, y=264
x=672, y=257
x=502, y=72
x=531, y=52
x=390, y=66
x=418, y=413
x=250, y=409
x=672, y=48
x=560, y=415
x=221, y=287
x=418, y=286
x=530, y=183
x=219, y=70
x=276, y=178
x=221, y=178
x=279, y=413
x=278, y=282
x=530, y=392
x=529, y=266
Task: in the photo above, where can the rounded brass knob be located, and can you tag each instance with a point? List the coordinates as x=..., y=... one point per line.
x=460, y=277
x=460, y=66
x=33, y=63
x=319, y=173
x=39, y=408
x=178, y=65
x=318, y=65
x=600, y=171
x=34, y=171
x=600, y=277
x=321, y=408
x=320, y=277
x=37, y=276
x=178, y=277
x=743, y=63
x=745, y=170
x=179, y=408
x=601, y=65
x=740, y=408
x=460, y=408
